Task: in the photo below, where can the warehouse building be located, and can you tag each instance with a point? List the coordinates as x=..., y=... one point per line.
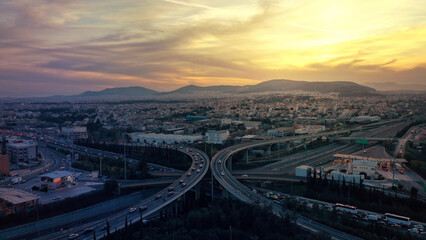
x=55, y=180
x=164, y=138
x=15, y=200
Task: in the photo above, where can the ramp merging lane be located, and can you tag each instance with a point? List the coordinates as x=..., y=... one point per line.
x=241, y=192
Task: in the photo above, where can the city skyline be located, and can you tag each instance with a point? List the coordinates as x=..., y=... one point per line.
x=67, y=48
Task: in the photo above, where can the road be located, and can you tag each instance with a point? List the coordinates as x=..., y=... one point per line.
x=190, y=178
x=232, y=185
x=225, y=178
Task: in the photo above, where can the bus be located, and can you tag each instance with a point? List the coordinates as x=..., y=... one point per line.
x=346, y=208
x=396, y=219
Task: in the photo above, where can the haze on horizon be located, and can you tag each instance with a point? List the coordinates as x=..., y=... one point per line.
x=66, y=47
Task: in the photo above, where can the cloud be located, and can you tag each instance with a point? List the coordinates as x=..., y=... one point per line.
x=70, y=46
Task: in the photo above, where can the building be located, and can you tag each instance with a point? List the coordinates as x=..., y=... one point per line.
x=195, y=118
x=339, y=176
x=303, y=170
x=14, y=200
x=309, y=129
x=55, y=180
x=74, y=132
x=217, y=137
x=4, y=165
x=364, y=119
x=22, y=151
x=164, y=138
x=280, y=132
x=365, y=167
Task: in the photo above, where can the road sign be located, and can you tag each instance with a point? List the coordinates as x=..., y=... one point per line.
x=362, y=141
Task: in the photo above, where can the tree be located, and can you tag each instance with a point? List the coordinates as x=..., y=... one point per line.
x=111, y=187
x=413, y=192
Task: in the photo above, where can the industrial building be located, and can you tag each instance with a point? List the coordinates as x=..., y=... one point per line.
x=365, y=167
x=4, y=165
x=164, y=138
x=15, y=200
x=22, y=150
x=55, y=180
x=217, y=137
x=74, y=132
x=339, y=176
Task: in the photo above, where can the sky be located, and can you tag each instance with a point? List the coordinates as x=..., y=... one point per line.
x=52, y=47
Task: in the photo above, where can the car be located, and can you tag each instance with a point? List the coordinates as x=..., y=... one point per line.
x=88, y=230
x=183, y=184
x=171, y=189
x=181, y=181
x=73, y=236
x=189, y=174
x=220, y=161
x=143, y=208
x=170, y=193
x=198, y=170
x=193, y=169
x=222, y=173
x=420, y=227
x=201, y=165
x=132, y=210
x=157, y=196
x=244, y=175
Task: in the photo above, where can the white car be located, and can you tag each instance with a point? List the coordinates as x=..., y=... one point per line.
x=222, y=173
x=73, y=236
x=132, y=210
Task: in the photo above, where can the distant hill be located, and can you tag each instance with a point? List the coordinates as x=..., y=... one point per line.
x=190, y=89
x=392, y=86
x=122, y=92
x=193, y=91
x=281, y=85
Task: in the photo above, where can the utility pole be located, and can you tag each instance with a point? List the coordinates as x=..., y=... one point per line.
x=100, y=164
x=125, y=157
x=230, y=232
x=349, y=190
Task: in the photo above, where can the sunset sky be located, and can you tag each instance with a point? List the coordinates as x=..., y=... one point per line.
x=65, y=47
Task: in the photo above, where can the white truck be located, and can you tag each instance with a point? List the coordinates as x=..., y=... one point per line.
x=16, y=180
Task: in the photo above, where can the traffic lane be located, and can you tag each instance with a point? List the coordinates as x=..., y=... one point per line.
x=310, y=200
x=317, y=227
x=153, y=202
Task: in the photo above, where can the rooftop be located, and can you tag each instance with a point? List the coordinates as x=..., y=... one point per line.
x=57, y=174
x=16, y=196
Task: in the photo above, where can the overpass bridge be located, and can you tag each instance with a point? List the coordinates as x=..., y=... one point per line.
x=190, y=178
x=360, y=139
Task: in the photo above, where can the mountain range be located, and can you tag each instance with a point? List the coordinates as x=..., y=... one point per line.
x=277, y=85
x=193, y=91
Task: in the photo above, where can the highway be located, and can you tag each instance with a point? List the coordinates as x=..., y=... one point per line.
x=154, y=203
x=241, y=192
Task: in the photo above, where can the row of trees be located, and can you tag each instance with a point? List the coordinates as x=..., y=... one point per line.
x=222, y=220
x=369, y=198
x=347, y=223
x=169, y=157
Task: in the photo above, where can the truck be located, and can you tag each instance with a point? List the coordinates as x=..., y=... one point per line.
x=16, y=180
x=372, y=217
